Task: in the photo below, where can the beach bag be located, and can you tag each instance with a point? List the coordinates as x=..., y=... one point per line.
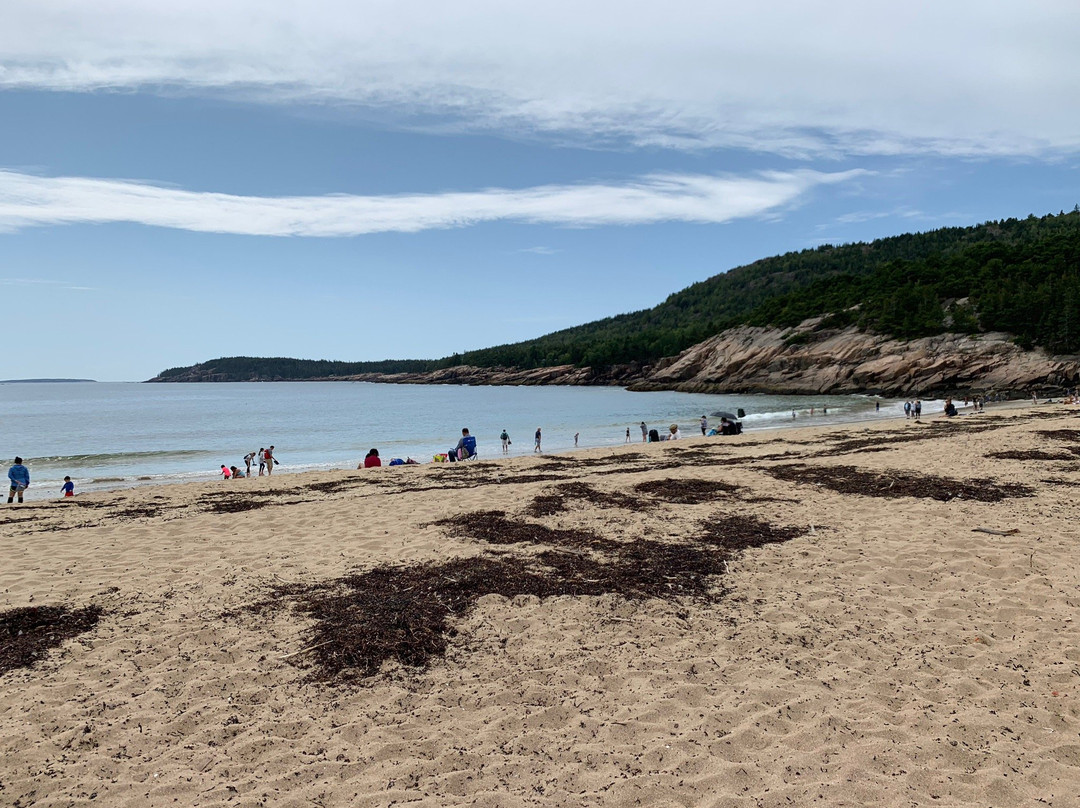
x=439, y=458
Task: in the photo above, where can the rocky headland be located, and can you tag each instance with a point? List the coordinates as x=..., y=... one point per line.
x=801, y=360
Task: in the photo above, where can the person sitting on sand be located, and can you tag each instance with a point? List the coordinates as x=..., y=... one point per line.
x=371, y=460
x=950, y=408
x=675, y=433
x=236, y=473
x=466, y=447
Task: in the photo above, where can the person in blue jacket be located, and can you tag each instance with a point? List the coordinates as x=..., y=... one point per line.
x=20, y=480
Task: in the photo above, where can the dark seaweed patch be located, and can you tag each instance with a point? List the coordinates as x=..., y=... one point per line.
x=1069, y=435
x=550, y=504
x=851, y=480
x=405, y=614
x=28, y=633
x=685, y=491
x=1033, y=454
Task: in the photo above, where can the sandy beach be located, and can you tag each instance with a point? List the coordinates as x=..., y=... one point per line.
x=789, y=618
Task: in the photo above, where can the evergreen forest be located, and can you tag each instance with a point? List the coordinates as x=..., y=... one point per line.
x=1020, y=276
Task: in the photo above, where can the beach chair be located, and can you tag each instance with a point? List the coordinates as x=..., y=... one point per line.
x=468, y=448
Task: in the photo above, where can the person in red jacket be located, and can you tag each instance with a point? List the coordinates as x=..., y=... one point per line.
x=372, y=459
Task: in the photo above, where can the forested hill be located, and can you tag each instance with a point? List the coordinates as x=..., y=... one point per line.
x=1020, y=276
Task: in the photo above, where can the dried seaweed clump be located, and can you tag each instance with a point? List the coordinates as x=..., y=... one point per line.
x=1069, y=435
x=851, y=480
x=735, y=533
x=1033, y=454
x=493, y=527
x=686, y=492
x=28, y=633
x=550, y=504
x=404, y=614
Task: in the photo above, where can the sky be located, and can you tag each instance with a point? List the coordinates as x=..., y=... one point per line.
x=370, y=180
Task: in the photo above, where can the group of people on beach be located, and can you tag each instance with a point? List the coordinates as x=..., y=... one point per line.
x=19, y=481
x=266, y=459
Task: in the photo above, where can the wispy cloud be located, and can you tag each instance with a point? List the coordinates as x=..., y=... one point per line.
x=859, y=216
x=959, y=78
x=540, y=250
x=27, y=200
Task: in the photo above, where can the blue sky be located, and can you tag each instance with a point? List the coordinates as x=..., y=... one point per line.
x=389, y=180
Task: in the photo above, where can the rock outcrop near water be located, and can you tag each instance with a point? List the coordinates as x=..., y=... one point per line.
x=801, y=360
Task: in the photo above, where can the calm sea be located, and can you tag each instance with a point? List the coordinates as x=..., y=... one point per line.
x=113, y=435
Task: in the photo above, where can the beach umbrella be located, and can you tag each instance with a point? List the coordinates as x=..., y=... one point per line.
x=730, y=416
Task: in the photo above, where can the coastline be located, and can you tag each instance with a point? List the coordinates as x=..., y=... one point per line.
x=105, y=481
x=873, y=654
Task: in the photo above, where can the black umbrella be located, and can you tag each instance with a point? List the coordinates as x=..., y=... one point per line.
x=729, y=415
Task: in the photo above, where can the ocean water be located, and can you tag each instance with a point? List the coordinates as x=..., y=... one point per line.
x=115, y=435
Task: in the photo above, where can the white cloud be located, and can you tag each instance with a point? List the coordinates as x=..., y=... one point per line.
x=27, y=200
x=540, y=250
x=966, y=77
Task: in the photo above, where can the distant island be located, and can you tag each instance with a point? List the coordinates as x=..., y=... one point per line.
x=993, y=307
x=44, y=381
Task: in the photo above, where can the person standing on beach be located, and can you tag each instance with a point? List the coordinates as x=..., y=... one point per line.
x=268, y=457
x=918, y=409
x=505, y=438
x=644, y=433
x=69, y=488
x=247, y=461
x=578, y=433
x=627, y=436
x=19, y=476
x=704, y=425
x=262, y=460
x=536, y=437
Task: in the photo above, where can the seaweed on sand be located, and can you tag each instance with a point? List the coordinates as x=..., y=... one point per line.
x=1032, y=454
x=29, y=632
x=686, y=491
x=406, y=614
x=851, y=480
x=549, y=504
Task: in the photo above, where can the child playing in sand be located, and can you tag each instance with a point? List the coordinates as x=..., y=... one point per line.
x=225, y=472
x=69, y=488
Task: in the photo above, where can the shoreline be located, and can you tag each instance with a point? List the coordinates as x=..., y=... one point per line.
x=816, y=423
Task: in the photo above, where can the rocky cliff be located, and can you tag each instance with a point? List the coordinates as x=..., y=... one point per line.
x=803, y=360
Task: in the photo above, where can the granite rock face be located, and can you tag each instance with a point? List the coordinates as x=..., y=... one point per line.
x=801, y=360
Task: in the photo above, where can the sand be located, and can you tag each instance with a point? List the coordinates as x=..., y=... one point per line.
x=886, y=655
